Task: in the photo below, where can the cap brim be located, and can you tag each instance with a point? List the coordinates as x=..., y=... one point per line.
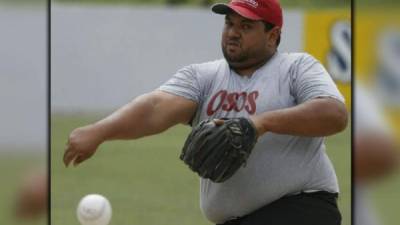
x=221, y=8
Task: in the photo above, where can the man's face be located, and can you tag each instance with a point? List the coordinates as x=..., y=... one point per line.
x=245, y=42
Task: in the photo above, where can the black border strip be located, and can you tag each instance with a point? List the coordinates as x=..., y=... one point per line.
x=49, y=110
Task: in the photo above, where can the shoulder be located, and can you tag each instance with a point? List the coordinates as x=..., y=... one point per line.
x=205, y=73
x=200, y=75
x=210, y=67
x=298, y=63
x=294, y=58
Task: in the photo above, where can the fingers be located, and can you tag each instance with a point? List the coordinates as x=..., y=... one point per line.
x=79, y=159
x=74, y=157
x=68, y=156
x=81, y=144
x=218, y=122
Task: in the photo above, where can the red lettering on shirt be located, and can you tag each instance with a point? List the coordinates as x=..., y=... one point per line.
x=237, y=101
x=210, y=109
x=251, y=98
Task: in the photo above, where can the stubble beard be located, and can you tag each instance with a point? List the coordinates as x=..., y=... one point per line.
x=237, y=60
x=243, y=60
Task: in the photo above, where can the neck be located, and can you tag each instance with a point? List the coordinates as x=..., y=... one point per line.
x=249, y=70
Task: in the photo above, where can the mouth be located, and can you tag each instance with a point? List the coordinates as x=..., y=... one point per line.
x=232, y=43
x=232, y=47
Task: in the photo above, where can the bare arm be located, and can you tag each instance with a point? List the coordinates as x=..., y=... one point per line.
x=146, y=115
x=317, y=117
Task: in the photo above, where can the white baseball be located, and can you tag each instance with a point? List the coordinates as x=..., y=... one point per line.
x=94, y=209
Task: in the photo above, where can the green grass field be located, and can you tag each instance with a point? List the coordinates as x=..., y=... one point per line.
x=144, y=179
x=385, y=196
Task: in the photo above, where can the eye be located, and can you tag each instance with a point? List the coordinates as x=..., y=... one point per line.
x=246, y=26
x=228, y=23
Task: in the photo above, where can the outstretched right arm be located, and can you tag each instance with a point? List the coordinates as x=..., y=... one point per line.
x=146, y=115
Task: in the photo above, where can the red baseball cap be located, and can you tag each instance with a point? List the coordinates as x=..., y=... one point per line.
x=267, y=10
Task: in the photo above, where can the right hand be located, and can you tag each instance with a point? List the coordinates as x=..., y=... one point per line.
x=82, y=144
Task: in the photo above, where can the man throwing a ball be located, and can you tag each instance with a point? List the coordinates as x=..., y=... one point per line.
x=286, y=103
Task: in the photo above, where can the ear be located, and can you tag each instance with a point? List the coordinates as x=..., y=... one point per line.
x=273, y=36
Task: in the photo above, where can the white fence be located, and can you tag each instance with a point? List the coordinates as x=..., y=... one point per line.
x=103, y=57
x=23, y=83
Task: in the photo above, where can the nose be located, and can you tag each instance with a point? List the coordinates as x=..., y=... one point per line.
x=233, y=33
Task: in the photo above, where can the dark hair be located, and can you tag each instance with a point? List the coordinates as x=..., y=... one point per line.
x=268, y=27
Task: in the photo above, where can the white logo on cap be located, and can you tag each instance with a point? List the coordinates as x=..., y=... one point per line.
x=252, y=3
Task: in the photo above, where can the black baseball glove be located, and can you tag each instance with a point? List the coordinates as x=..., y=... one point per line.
x=216, y=149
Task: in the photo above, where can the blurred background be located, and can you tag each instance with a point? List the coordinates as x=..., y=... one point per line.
x=23, y=110
x=377, y=112
x=105, y=53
